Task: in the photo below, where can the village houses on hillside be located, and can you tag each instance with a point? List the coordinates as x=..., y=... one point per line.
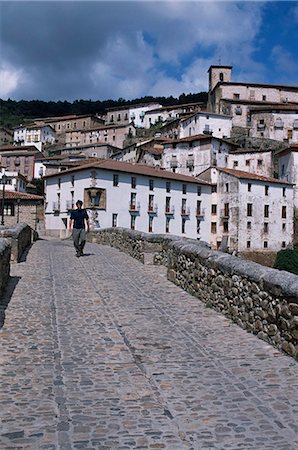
x=161, y=157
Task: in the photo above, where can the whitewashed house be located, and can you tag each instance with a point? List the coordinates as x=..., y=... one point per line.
x=166, y=113
x=130, y=113
x=216, y=125
x=260, y=162
x=13, y=181
x=288, y=171
x=278, y=123
x=37, y=135
x=131, y=196
x=192, y=155
x=250, y=213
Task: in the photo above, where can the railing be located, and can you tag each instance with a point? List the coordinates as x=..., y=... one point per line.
x=261, y=126
x=200, y=212
x=173, y=164
x=170, y=210
x=134, y=207
x=152, y=209
x=207, y=131
x=56, y=206
x=69, y=204
x=185, y=211
x=278, y=124
x=190, y=163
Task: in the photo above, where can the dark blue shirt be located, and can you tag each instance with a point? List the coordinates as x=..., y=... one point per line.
x=78, y=216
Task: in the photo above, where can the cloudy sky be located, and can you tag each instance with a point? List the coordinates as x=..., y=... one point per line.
x=56, y=50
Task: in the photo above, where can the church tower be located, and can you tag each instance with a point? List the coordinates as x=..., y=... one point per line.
x=219, y=74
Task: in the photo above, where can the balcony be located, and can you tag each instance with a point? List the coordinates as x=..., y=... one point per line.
x=134, y=207
x=185, y=211
x=173, y=164
x=261, y=126
x=278, y=123
x=190, y=163
x=69, y=205
x=170, y=210
x=200, y=212
x=152, y=209
x=207, y=131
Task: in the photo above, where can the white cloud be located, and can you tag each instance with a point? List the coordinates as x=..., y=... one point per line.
x=9, y=80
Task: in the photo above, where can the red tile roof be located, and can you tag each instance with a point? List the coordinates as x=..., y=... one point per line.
x=251, y=176
x=119, y=166
x=13, y=195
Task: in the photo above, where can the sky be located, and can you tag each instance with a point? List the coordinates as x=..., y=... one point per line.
x=98, y=50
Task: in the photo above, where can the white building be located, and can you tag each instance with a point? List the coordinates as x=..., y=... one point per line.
x=165, y=113
x=192, y=155
x=236, y=99
x=34, y=135
x=249, y=212
x=131, y=196
x=12, y=180
x=260, y=162
x=280, y=124
x=288, y=171
x=216, y=125
x=130, y=113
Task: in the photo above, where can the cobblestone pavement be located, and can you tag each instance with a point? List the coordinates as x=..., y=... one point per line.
x=101, y=352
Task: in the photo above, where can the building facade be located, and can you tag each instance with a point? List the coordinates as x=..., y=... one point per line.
x=260, y=162
x=108, y=134
x=216, y=125
x=19, y=159
x=130, y=196
x=280, y=124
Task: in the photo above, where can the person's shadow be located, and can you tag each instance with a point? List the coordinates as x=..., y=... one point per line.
x=6, y=297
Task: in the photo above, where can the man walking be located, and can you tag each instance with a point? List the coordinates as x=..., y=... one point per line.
x=78, y=217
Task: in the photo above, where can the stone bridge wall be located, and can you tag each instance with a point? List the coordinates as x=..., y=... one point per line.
x=20, y=237
x=5, y=253
x=262, y=300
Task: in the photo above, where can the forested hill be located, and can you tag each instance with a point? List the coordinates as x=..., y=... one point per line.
x=12, y=112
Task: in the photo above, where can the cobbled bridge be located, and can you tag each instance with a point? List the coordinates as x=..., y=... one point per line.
x=104, y=352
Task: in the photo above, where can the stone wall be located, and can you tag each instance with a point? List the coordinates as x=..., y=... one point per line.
x=5, y=251
x=262, y=300
x=19, y=237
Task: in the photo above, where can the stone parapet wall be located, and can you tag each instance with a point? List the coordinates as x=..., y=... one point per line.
x=262, y=300
x=19, y=237
x=5, y=253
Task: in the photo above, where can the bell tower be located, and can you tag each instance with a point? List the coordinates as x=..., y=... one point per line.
x=219, y=74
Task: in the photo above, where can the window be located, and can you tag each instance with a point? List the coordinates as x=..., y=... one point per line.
x=168, y=186
x=168, y=224
x=249, y=209
x=221, y=76
x=168, y=204
x=283, y=169
x=264, y=98
x=227, y=187
x=114, y=220
x=115, y=179
x=266, y=227
x=213, y=188
x=226, y=210
x=266, y=210
x=151, y=185
x=249, y=187
x=265, y=244
x=236, y=96
x=119, y=117
x=59, y=183
x=199, y=207
x=150, y=227
x=235, y=163
x=248, y=225
x=150, y=203
x=184, y=188
x=284, y=212
x=266, y=190
x=198, y=226
x=199, y=190
x=213, y=209
x=213, y=227
x=133, y=198
x=283, y=227
x=133, y=182
x=260, y=162
x=283, y=191
x=183, y=225
x=247, y=244
x=226, y=226
x=283, y=244
x=132, y=221
x=247, y=162
x=72, y=180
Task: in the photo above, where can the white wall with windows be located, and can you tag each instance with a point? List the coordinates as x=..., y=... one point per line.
x=216, y=125
x=144, y=202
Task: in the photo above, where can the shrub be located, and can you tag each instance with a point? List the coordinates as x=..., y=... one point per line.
x=287, y=260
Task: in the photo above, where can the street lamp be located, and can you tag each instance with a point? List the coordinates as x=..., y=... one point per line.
x=3, y=196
